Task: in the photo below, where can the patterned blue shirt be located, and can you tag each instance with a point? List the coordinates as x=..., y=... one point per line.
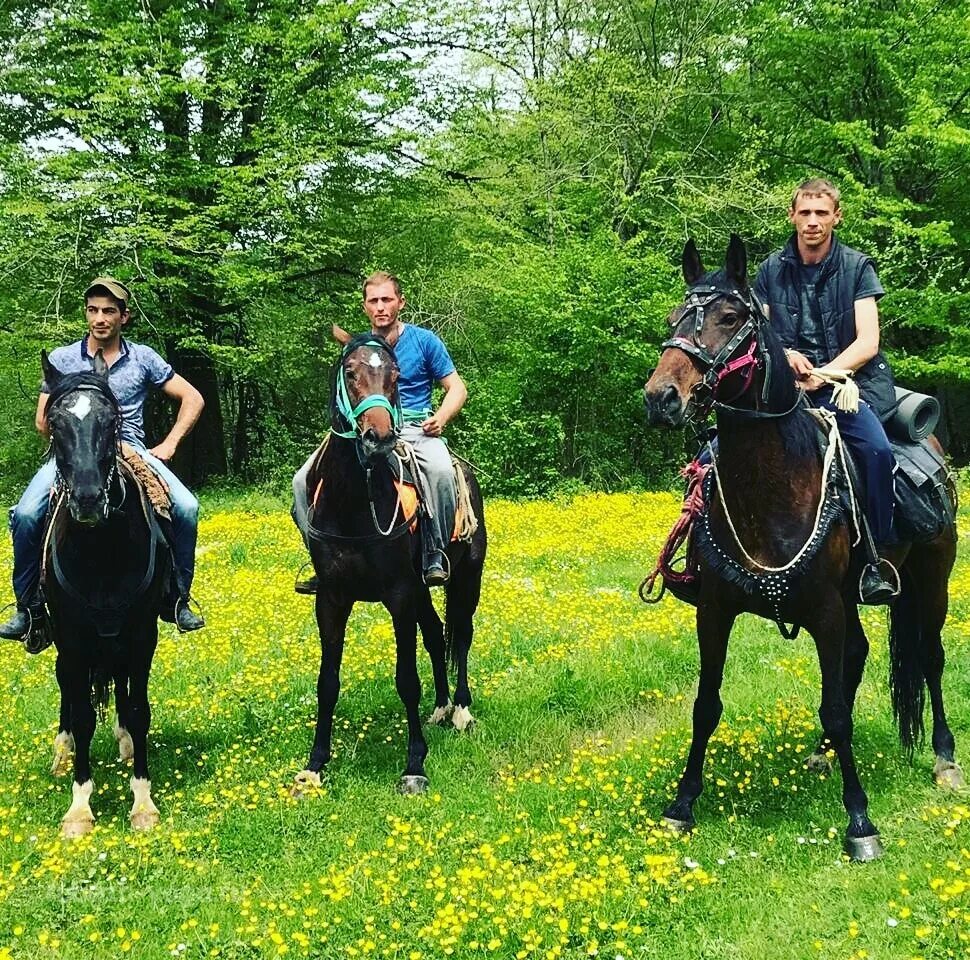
x=135, y=370
x=423, y=360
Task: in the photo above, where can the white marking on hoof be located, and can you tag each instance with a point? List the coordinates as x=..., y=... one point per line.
x=144, y=813
x=412, y=784
x=63, y=754
x=441, y=715
x=462, y=719
x=947, y=774
x=819, y=763
x=126, y=747
x=305, y=782
x=79, y=819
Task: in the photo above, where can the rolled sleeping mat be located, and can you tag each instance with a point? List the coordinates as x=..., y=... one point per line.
x=915, y=418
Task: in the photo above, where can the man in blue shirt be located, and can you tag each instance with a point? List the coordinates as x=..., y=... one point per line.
x=423, y=361
x=132, y=370
x=821, y=298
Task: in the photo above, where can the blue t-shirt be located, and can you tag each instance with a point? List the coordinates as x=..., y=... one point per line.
x=136, y=369
x=423, y=360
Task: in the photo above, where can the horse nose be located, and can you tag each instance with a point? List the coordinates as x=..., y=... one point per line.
x=664, y=406
x=370, y=435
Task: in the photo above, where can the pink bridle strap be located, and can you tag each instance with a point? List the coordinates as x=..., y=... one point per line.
x=746, y=361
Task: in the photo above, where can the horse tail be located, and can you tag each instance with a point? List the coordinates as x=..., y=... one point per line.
x=100, y=690
x=906, y=682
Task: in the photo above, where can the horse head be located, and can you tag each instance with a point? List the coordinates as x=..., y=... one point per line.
x=715, y=345
x=364, y=402
x=83, y=417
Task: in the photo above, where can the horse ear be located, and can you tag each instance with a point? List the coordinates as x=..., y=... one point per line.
x=691, y=264
x=100, y=367
x=736, y=261
x=51, y=373
x=340, y=335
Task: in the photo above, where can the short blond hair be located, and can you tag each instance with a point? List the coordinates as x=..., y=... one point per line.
x=817, y=187
x=379, y=277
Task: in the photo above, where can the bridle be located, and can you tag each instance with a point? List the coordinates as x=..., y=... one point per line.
x=351, y=413
x=345, y=412
x=745, y=353
x=89, y=382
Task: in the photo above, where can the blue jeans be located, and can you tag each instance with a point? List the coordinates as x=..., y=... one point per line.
x=27, y=527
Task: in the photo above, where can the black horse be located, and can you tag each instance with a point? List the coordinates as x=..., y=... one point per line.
x=775, y=542
x=106, y=565
x=364, y=547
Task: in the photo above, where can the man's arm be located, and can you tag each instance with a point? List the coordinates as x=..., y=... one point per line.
x=456, y=393
x=40, y=418
x=190, y=407
x=866, y=344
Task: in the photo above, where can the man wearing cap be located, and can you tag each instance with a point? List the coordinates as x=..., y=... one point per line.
x=132, y=369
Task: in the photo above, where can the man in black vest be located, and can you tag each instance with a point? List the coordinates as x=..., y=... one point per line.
x=821, y=299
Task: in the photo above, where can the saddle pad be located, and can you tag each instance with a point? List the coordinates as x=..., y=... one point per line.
x=155, y=488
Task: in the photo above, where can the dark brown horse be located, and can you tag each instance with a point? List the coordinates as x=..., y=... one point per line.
x=364, y=548
x=777, y=543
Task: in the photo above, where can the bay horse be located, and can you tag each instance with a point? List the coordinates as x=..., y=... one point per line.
x=106, y=566
x=770, y=506
x=363, y=547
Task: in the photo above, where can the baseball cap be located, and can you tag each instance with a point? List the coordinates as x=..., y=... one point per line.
x=115, y=287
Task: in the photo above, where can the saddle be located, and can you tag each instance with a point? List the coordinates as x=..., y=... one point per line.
x=150, y=484
x=408, y=484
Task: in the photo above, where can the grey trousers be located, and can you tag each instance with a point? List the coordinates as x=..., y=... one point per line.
x=437, y=484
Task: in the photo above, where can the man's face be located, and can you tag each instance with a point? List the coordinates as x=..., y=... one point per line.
x=382, y=304
x=105, y=319
x=814, y=218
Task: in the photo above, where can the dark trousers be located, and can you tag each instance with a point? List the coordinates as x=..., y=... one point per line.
x=866, y=438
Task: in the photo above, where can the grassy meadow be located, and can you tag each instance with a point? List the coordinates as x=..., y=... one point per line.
x=539, y=836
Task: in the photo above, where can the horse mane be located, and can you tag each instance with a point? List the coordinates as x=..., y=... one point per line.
x=82, y=380
x=798, y=430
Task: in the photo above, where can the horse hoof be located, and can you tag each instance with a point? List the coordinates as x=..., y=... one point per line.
x=864, y=849
x=677, y=826
x=145, y=820
x=126, y=747
x=441, y=715
x=412, y=784
x=72, y=829
x=63, y=755
x=947, y=774
x=305, y=782
x=819, y=763
x=462, y=719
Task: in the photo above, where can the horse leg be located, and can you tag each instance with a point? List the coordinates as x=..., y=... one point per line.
x=64, y=741
x=433, y=637
x=332, y=618
x=461, y=603
x=828, y=630
x=79, y=818
x=856, y=654
x=713, y=630
x=144, y=814
x=928, y=578
x=414, y=779
x=126, y=748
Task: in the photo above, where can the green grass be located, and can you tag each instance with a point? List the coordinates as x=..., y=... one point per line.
x=540, y=835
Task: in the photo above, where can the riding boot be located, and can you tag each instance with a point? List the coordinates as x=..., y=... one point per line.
x=186, y=619
x=28, y=625
x=874, y=588
x=307, y=587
